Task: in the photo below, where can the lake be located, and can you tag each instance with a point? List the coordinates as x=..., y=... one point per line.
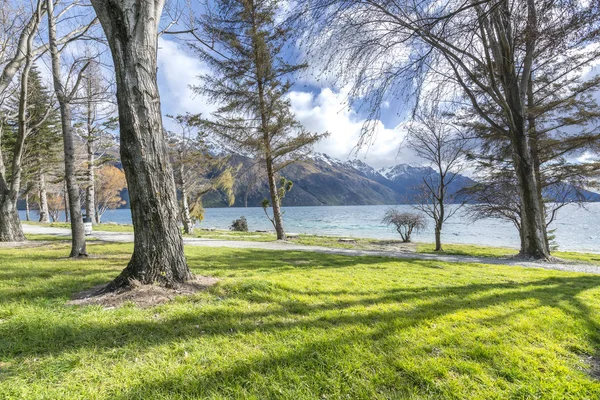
x=577, y=229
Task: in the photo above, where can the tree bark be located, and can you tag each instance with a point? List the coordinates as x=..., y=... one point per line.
x=186, y=219
x=131, y=28
x=275, y=201
x=78, y=245
x=44, y=213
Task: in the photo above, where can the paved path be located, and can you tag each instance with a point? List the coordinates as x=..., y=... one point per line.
x=128, y=237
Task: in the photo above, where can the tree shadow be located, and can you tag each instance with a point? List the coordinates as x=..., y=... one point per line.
x=287, y=309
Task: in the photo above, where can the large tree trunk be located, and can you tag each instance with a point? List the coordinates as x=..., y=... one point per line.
x=131, y=28
x=78, y=245
x=533, y=224
x=44, y=213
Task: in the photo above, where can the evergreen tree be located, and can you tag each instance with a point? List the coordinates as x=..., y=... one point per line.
x=250, y=83
x=43, y=152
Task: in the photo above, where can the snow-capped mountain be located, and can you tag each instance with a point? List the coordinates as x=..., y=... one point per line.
x=403, y=171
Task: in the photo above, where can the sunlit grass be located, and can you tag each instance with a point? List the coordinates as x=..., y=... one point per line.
x=488, y=251
x=298, y=325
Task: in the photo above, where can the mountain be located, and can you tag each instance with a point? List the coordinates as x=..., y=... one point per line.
x=403, y=178
x=320, y=180
x=326, y=181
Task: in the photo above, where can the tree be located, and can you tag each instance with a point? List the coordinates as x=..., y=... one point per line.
x=131, y=28
x=285, y=186
x=110, y=182
x=65, y=98
x=249, y=82
x=10, y=184
x=486, y=50
x=96, y=125
x=43, y=147
x=197, y=172
x=404, y=223
x=435, y=139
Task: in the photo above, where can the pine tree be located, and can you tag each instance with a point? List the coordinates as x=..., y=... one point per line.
x=250, y=83
x=44, y=146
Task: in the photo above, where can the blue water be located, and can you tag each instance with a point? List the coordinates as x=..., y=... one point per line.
x=577, y=229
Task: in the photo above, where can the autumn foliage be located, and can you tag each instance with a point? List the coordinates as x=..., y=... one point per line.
x=110, y=181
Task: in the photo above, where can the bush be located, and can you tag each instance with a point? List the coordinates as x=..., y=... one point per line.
x=239, y=225
x=405, y=223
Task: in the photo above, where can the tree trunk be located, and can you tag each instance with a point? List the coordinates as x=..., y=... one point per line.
x=188, y=225
x=131, y=28
x=534, y=150
x=44, y=213
x=186, y=219
x=438, y=238
x=27, y=217
x=78, y=245
x=533, y=225
x=275, y=201
x=29, y=30
x=66, y=202
x=90, y=201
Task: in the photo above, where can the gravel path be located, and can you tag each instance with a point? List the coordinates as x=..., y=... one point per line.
x=128, y=237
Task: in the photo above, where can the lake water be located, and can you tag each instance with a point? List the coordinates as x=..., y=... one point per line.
x=577, y=229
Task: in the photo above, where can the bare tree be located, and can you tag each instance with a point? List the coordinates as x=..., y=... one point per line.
x=96, y=127
x=65, y=98
x=404, y=223
x=131, y=28
x=438, y=141
x=10, y=224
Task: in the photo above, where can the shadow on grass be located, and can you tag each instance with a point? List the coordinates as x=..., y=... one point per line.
x=285, y=312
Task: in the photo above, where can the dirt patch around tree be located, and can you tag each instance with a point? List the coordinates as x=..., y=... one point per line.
x=142, y=296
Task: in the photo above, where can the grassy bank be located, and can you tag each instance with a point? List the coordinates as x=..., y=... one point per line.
x=298, y=325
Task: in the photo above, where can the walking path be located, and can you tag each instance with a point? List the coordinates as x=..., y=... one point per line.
x=125, y=237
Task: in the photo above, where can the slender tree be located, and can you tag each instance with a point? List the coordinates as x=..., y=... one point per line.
x=250, y=82
x=10, y=185
x=65, y=98
x=441, y=143
x=96, y=127
x=131, y=28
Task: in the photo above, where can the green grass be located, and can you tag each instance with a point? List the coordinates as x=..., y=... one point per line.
x=487, y=251
x=297, y=325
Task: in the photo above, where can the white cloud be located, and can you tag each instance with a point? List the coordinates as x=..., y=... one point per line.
x=328, y=111
x=177, y=70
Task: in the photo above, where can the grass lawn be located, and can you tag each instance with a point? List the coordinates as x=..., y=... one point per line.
x=298, y=325
x=487, y=251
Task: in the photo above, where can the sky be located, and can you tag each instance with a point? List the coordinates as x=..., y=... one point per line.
x=319, y=107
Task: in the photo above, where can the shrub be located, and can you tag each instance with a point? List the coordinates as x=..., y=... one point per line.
x=405, y=223
x=240, y=225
